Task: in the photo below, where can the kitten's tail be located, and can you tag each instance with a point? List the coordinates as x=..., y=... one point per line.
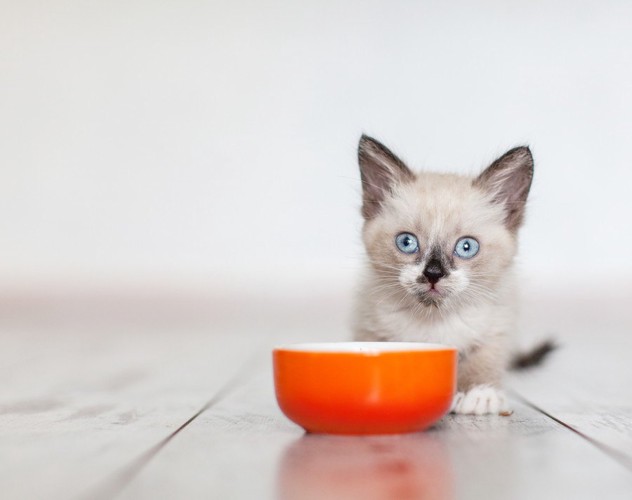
x=534, y=356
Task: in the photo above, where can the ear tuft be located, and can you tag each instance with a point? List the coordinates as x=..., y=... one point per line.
x=381, y=171
x=508, y=180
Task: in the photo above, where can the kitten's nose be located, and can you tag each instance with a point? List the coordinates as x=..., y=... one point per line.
x=434, y=271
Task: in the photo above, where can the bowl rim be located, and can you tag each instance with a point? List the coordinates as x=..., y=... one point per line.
x=363, y=347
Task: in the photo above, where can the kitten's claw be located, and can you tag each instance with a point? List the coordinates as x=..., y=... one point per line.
x=480, y=400
x=456, y=401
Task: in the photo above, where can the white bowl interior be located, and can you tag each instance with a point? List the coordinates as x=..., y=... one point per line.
x=364, y=347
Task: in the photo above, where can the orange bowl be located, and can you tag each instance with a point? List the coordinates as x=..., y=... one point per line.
x=365, y=387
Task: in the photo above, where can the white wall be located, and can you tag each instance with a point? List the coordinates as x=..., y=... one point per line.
x=214, y=142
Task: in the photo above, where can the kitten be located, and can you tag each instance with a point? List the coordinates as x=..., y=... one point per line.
x=441, y=250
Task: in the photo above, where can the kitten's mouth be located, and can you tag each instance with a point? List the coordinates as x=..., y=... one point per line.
x=430, y=297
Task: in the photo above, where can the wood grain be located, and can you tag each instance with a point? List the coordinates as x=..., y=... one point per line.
x=244, y=448
x=86, y=399
x=110, y=407
x=586, y=383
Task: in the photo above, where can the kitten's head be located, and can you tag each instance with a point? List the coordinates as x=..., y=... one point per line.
x=441, y=240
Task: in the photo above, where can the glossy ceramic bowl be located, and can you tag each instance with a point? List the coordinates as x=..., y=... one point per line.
x=365, y=387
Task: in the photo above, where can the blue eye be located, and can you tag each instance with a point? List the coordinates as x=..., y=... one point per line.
x=407, y=243
x=466, y=248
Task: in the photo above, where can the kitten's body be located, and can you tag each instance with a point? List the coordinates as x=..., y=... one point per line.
x=468, y=303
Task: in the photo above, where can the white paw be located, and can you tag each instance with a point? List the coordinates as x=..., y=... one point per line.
x=480, y=400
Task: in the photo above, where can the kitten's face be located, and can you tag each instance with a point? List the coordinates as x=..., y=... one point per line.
x=441, y=240
x=429, y=217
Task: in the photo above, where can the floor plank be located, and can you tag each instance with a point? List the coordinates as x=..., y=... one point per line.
x=586, y=382
x=81, y=404
x=88, y=392
x=245, y=448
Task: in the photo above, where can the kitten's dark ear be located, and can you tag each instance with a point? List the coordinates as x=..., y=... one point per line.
x=380, y=171
x=508, y=180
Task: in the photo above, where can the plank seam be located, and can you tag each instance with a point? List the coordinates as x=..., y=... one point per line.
x=115, y=484
x=618, y=456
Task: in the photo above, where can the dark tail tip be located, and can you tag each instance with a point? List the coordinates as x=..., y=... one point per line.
x=534, y=356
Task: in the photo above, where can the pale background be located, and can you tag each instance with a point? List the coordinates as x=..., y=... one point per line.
x=211, y=145
x=179, y=193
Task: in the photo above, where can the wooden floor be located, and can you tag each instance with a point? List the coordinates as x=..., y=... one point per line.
x=171, y=397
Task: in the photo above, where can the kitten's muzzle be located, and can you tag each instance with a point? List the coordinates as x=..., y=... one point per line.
x=434, y=271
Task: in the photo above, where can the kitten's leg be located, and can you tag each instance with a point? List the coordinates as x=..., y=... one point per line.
x=480, y=372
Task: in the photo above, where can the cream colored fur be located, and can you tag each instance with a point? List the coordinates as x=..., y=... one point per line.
x=477, y=304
